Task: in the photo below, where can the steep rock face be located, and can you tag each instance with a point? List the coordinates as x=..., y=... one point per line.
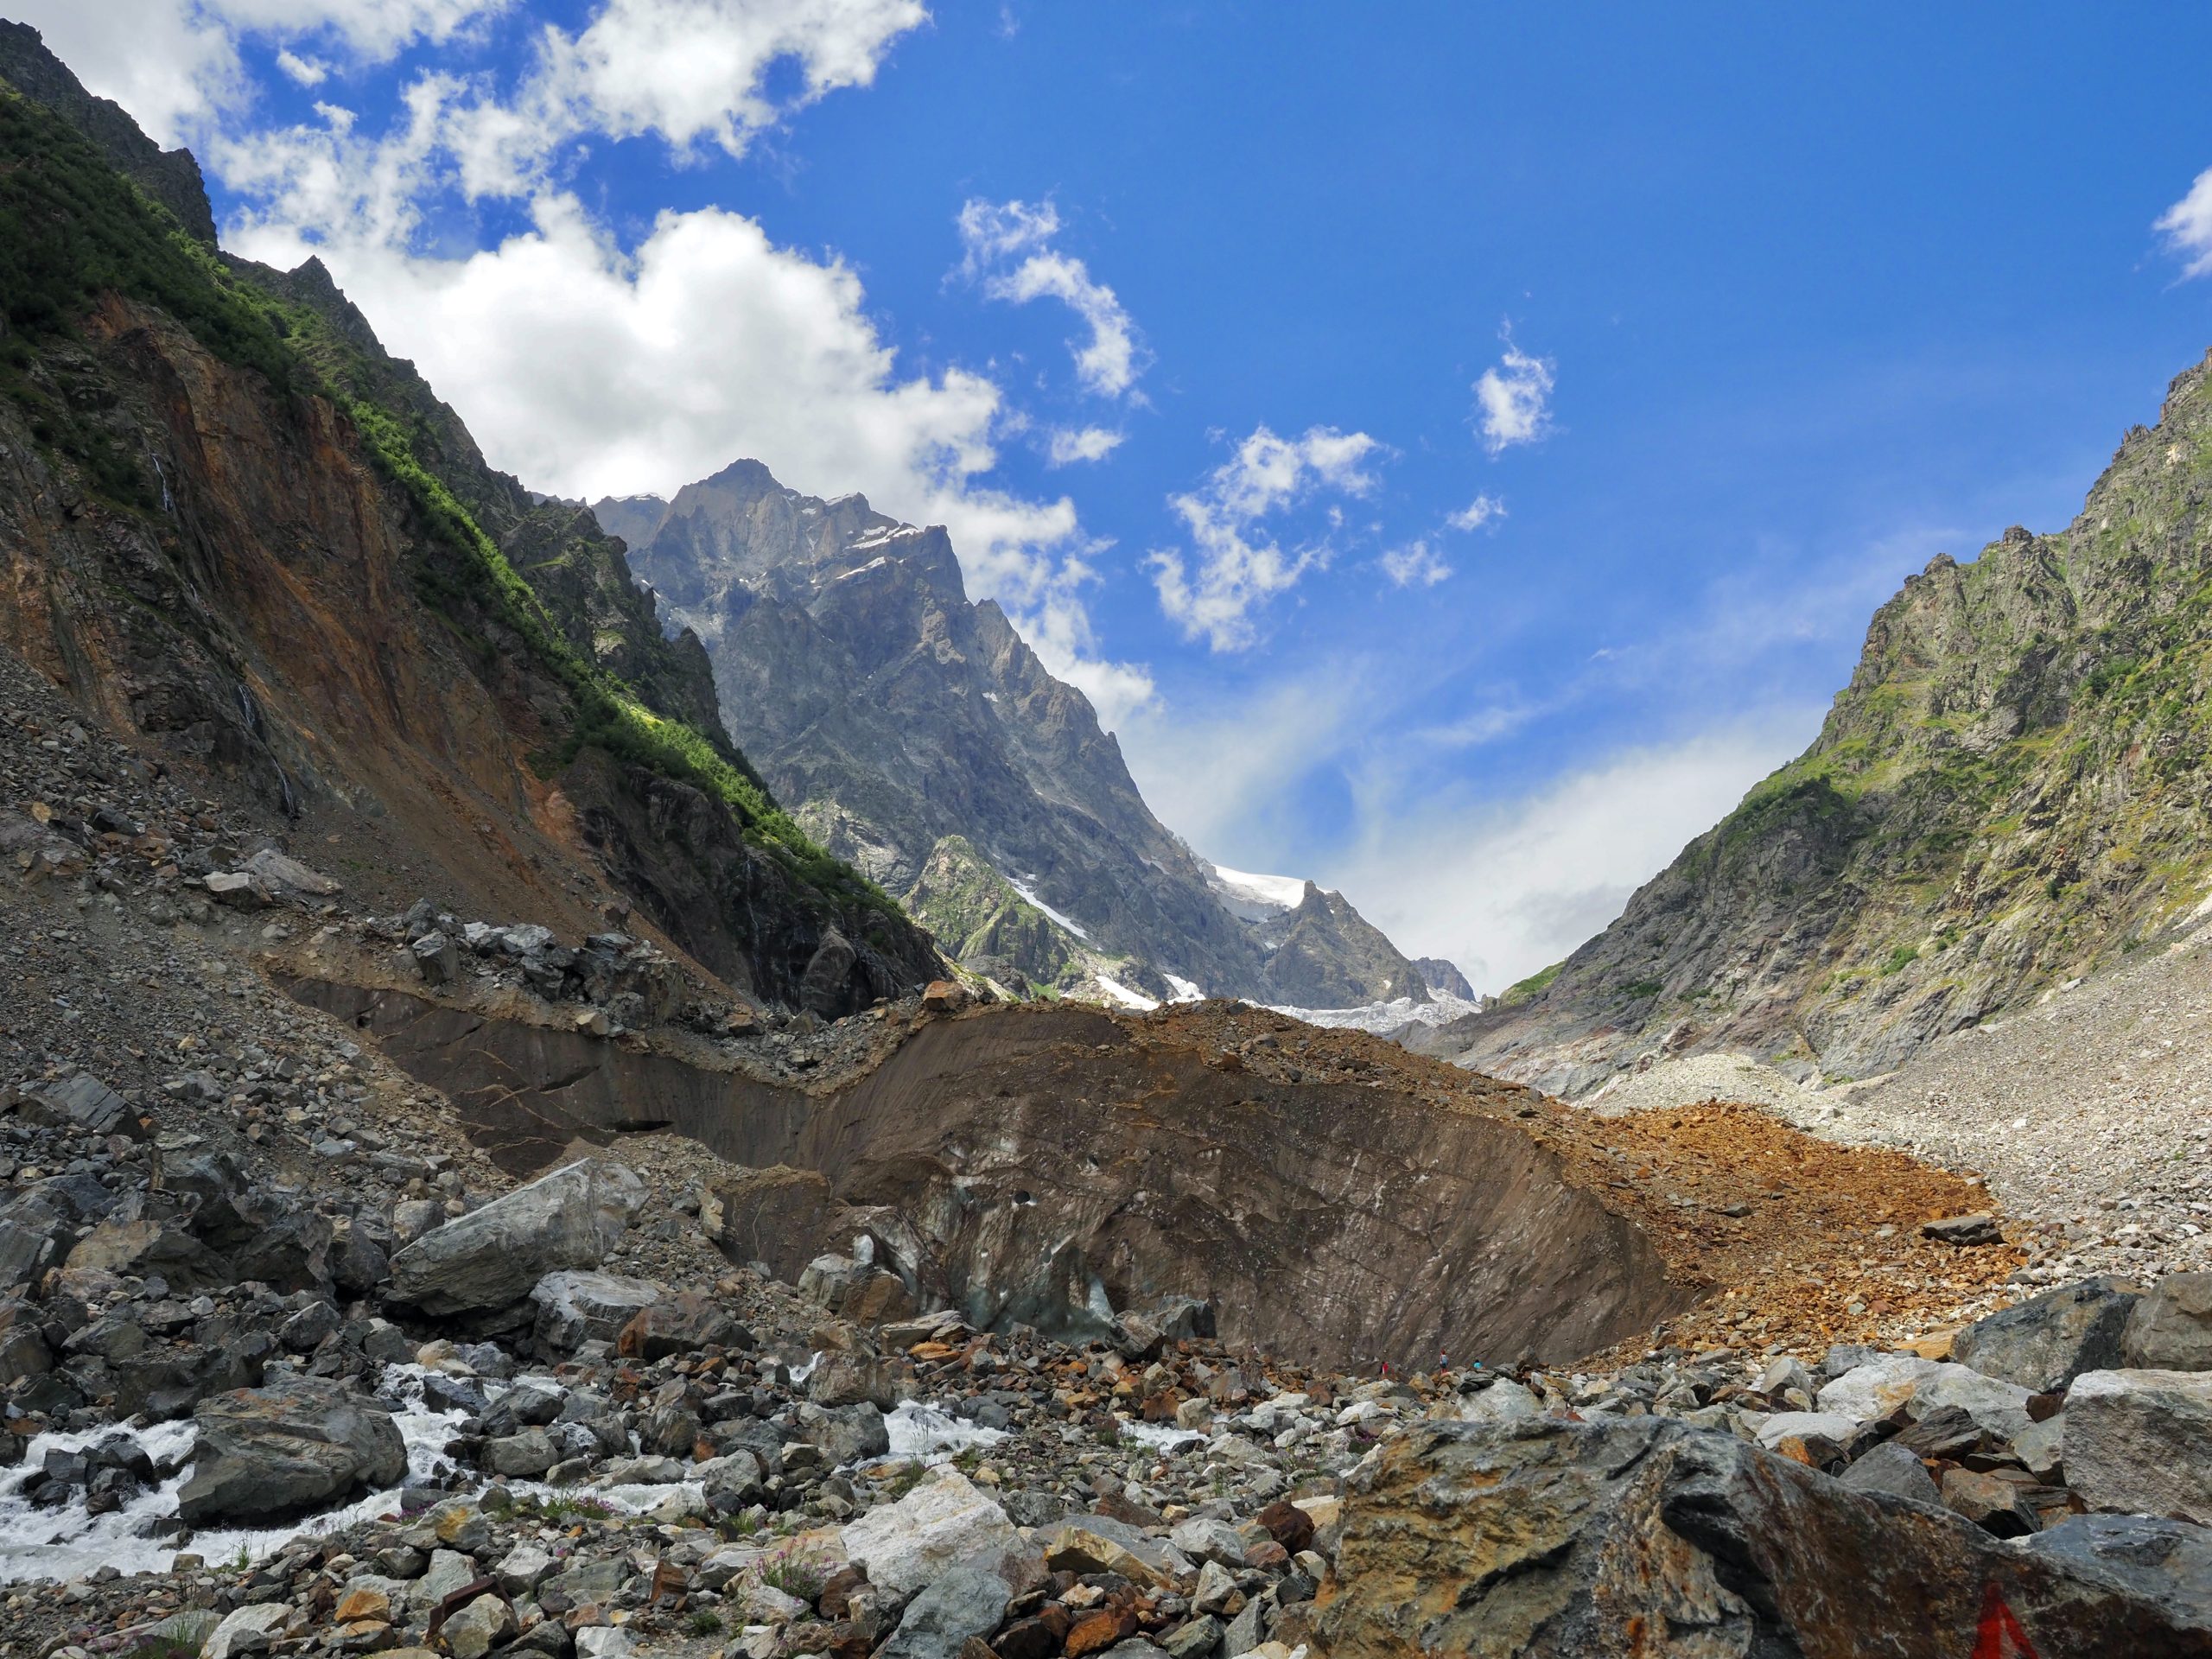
x=217, y=533
x=894, y=715
x=2011, y=791
x=1044, y=1158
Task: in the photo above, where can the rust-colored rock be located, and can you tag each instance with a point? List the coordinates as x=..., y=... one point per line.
x=1095, y=1633
x=1287, y=1524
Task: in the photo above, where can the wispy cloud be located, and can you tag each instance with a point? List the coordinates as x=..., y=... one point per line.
x=2187, y=226
x=1416, y=564
x=1008, y=245
x=1514, y=398
x=1483, y=510
x=1065, y=445
x=1240, y=564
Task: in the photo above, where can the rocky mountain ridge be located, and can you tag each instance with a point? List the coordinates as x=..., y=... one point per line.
x=2009, y=794
x=230, y=522
x=916, y=734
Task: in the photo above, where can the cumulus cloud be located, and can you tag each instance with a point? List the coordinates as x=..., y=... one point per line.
x=1484, y=509
x=2187, y=226
x=1416, y=564
x=1240, y=564
x=1065, y=445
x=1514, y=398
x=1008, y=245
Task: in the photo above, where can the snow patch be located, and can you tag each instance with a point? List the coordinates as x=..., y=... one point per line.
x=1029, y=896
x=1186, y=990
x=1269, y=894
x=1122, y=996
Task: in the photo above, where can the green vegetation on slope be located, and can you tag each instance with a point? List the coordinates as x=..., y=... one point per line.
x=71, y=228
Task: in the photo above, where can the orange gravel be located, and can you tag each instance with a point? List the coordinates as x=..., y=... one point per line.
x=1828, y=1245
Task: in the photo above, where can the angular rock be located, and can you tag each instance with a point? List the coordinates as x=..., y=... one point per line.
x=575, y=1306
x=1552, y=1539
x=147, y=1248
x=963, y=1603
x=437, y=958
x=240, y=889
x=1878, y=1387
x=1095, y=1544
x=482, y=1625
x=282, y=873
x=1980, y=1228
x=845, y=1433
x=2140, y=1442
x=492, y=1257
x=685, y=1323
x=1893, y=1469
x=1998, y=1506
x=246, y=1630
x=2167, y=1562
x=2046, y=1342
x=89, y=1104
x=1815, y=1437
x=2170, y=1329
x=827, y=987
x=297, y=1445
x=944, y=1524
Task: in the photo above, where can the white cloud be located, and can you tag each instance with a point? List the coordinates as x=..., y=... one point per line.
x=305, y=71
x=1065, y=445
x=2187, y=226
x=1240, y=566
x=175, y=65
x=991, y=234
x=1483, y=510
x=169, y=63
x=1415, y=563
x=1515, y=398
x=1506, y=889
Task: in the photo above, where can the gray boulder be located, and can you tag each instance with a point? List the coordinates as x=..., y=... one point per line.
x=2171, y=1328
x=966, y=1602
x=826, y=986
x=1548, y=1539
x=2047, y=1341
x=844, y=1433
x=1893, y=1469
x=297, y=1445
x=2168, y=1562
x=575, y=1306
x=2140, y=1442
x=492, y=1257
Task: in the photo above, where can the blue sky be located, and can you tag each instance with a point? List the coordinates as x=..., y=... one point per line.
x=1774, y=308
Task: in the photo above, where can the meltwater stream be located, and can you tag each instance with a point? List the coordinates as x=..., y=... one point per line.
x=142, y=1535
x=68, y=1542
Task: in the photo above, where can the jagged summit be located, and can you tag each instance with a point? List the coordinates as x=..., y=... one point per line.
x=917, y=735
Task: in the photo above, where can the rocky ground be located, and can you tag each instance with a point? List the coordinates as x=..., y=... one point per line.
x=291, y=1367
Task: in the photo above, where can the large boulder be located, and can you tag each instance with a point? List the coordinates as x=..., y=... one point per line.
x=148, y=1248
x=2164, y=1561
x=826, y=988
x=685, y=1323
x=2140, y=1442
x=297, y=1445
x=1549, y=1539
x=492, y=1257
x=2049, y=1340
x=2171, y=1327
x=575, y=1306
x=965, y=1603
x=945, y=1524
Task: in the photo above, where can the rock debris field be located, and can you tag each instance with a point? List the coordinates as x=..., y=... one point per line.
x=291, y=1367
